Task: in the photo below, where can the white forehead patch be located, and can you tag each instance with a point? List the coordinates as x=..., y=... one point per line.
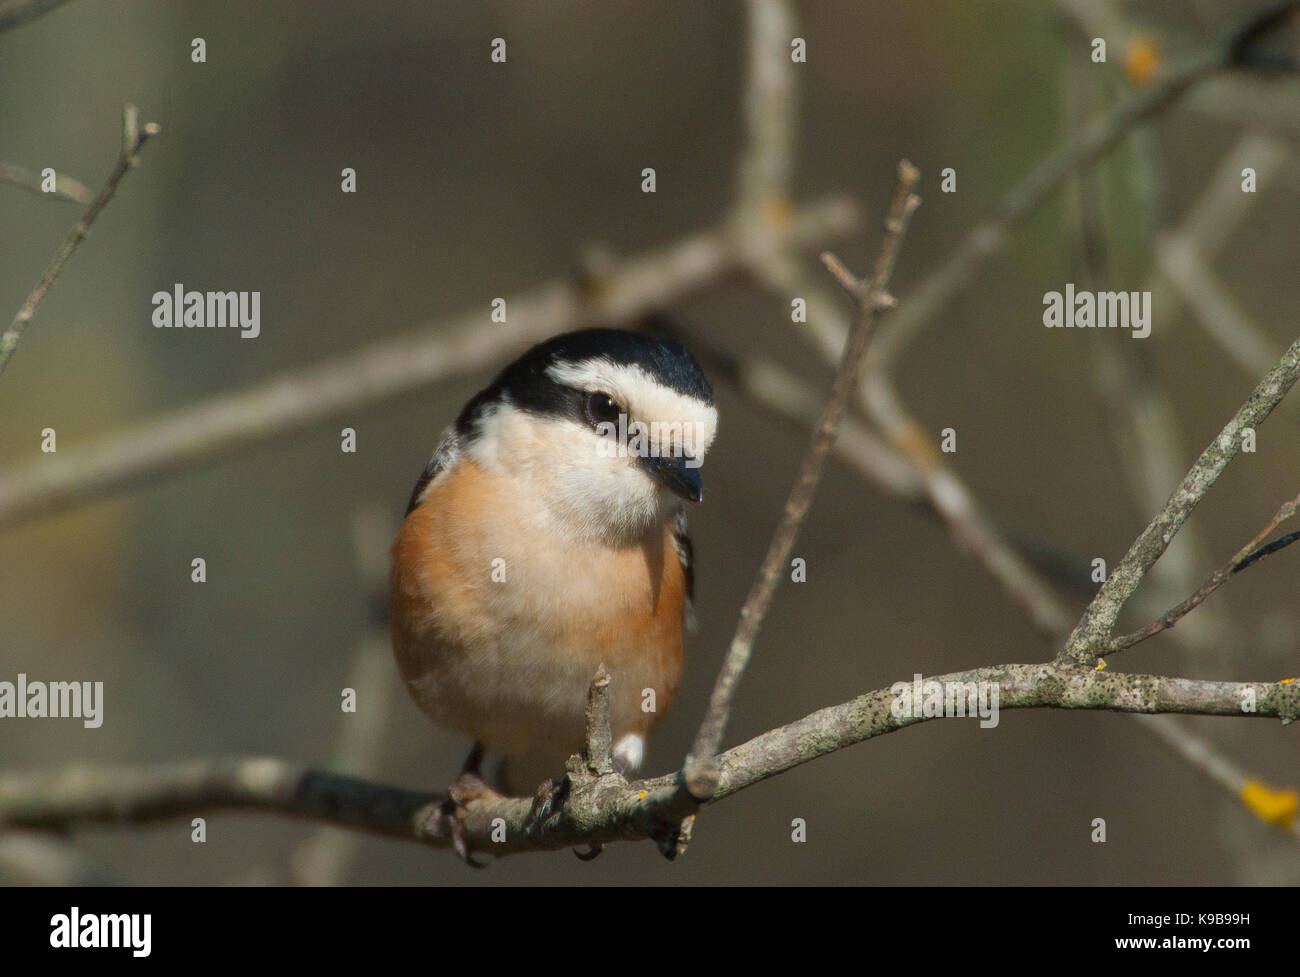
x=644, y=397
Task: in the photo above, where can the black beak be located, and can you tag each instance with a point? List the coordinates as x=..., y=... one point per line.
x=676, y=476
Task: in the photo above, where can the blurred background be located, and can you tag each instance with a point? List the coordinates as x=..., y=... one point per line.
x=477, y=180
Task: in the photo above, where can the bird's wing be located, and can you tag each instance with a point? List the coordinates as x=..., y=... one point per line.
x=443, y=456
x=685, y=553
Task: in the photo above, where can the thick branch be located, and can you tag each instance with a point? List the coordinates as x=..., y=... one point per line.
x=596, y=809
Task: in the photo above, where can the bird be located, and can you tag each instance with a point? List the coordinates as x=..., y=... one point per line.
x=546, y=537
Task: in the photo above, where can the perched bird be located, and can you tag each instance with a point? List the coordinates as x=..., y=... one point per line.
x=548, y=536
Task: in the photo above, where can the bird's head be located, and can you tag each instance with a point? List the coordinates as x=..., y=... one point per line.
x=609, y=426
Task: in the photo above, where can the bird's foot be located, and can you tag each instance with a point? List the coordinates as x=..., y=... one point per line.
x=549, y=800
x=464, y=790
x=550, y=797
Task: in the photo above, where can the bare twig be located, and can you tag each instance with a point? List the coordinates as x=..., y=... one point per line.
x=1184, y=275
x=1135, y=401
x=988, y=238
x=292, y=400
x=910, y=449
x=773, y=387
x=66, y=188
x=1218, y=313
x=699, y=772
x=1184, y=271
x=133, y=137
x=1129, y=390
x=1243, y=558
x=769, y=101
x=1208, y=225
x=600, y=758
x=1091, y=635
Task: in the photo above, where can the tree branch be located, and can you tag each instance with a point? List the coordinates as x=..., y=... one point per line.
x=182, y=438
x=600, y=738
x=985, y=240
x=1091, y=636
x=769, y=100
x=698, y=770
x=597, y=809
x=66, y=188
x=1243, y=558
x=133, y=137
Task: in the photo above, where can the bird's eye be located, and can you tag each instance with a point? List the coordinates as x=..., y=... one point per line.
x=603, y=409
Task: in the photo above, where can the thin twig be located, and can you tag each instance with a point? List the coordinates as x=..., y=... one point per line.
x=698, y=771
x=1207, y=226
x=923, y=303
x=1218, y=211
x=987, y=239
x=599, y=738
x=1243, y=558
x=773, y=387
x=294, y=399
x=1138, y=405
x=769, y=100
x=1129, y=390
x=1277, y=544
x=1091, y=635
x=65, y=187
x=911, y=448
x=133, y=137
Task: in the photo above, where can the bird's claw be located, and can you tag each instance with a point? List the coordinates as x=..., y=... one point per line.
x=550, y=797
x=466, y=788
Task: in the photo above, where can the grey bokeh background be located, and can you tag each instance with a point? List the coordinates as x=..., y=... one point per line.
x=478, y=180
